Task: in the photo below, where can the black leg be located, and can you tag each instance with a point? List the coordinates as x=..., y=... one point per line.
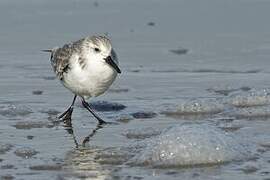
x=88, y=107
x=66, y=116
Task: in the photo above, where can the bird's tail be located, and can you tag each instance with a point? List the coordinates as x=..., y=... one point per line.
x=47, y=50
x=51, y=51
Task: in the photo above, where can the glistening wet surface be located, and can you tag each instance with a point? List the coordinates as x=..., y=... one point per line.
x=192, y=102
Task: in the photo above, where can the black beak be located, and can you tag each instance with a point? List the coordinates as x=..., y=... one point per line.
x=112, y=63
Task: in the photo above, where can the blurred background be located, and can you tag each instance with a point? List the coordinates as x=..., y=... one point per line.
x=183, y=62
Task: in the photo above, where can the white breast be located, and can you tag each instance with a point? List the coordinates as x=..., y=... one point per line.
x=91, y=81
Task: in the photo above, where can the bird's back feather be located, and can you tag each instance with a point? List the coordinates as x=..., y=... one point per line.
x=61, y=57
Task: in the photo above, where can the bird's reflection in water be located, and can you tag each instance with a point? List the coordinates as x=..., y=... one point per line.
x=80, y=162
x=71, y=132
x=69, y=128
x=93, y=162
x=87, y=138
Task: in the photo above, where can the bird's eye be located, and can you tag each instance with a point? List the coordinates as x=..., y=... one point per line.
x=97, y=49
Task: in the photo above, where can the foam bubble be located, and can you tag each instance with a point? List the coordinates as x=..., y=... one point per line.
x=25, y=152
x=10, y=110
x=255, y=98
x=189, y=145
x=197, y=107
x=142, y=133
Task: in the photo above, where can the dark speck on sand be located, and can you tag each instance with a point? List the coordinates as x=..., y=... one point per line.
x=107, y=106
x=120, y=90
x=37, y=92
x=7, y=177
x=179, y=51
x=30, y=137
x=96, y=4
x=151, y=23
x=144, y=115
x=47, y=167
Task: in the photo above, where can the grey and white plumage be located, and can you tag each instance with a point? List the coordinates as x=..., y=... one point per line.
x=82, y=69
x=87, y=68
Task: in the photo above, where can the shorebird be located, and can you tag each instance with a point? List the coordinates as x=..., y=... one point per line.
x=87, y=68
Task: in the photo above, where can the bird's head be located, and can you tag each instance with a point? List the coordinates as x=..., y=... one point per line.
x=100, y=48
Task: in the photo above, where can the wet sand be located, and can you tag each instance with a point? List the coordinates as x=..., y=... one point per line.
x=192, y=101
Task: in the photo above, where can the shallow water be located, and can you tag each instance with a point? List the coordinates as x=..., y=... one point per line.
x=192, y=102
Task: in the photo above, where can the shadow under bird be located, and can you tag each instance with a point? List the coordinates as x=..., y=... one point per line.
x=87, y=68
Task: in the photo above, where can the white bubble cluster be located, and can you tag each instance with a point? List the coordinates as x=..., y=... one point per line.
x=254, y=98
x=189, y=145
x=198, y=107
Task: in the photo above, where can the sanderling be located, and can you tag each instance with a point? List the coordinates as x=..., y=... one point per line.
x=87, y=68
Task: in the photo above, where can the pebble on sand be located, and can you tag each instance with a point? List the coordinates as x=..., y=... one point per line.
x=107, y=106
x=37, y=92
x=144, y=115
